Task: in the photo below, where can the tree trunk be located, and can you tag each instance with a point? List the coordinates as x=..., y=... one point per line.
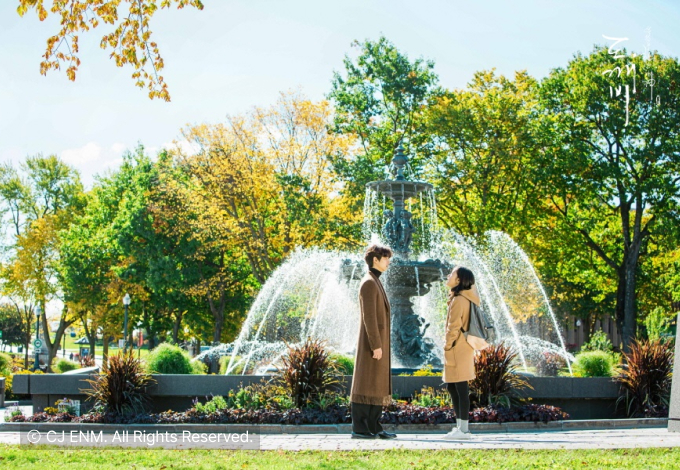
x=91, y=336
x=28, y=341
x=629, y=310
x=176, y=325
x=54, y=347
x=620, y=301
x=105, y=347
x=219, y=324
x=218, y=314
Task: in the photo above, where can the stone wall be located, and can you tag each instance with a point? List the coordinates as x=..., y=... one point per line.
x=582, y=398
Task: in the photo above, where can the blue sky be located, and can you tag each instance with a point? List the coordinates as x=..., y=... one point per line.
x=237, y=54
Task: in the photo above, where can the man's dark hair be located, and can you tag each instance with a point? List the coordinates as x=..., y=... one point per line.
x=467, y=280
x=376, y=251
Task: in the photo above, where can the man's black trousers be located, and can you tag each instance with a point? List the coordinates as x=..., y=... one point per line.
x=365, y=418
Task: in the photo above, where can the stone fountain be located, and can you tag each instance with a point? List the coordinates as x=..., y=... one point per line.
x=406, y=278
x=314, y=292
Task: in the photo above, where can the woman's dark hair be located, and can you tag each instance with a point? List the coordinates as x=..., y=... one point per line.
x=466, y=278
x=376, y=251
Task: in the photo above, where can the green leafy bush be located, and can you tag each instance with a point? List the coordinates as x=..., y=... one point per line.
x=599, y=341
x=169, y=359
x=646, y=382
x=5, y=363
x=429, y=397
x=657, y=323
x=211, y=406
x=224, y=363
x=496, y=382
x=426, y=372
x=121, y=388
x=64, y=365
x=343, y=364
x=198, y=367
x=593, y=364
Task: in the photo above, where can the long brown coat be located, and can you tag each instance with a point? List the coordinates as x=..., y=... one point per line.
x=372, y=380
x=459, y=357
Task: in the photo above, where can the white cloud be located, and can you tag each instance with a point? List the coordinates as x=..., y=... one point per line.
x=90, y=152
x=186, y=147
x=118, y=148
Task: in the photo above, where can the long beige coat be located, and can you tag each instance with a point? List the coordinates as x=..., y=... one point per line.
x=459, y=357
x=372, y=380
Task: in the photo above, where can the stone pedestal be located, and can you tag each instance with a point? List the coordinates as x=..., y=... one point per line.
x=674, y=413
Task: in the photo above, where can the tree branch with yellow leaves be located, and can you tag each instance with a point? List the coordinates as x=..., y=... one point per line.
x=130, y=41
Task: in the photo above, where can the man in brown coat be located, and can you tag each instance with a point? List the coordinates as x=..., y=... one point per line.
x=372, y=379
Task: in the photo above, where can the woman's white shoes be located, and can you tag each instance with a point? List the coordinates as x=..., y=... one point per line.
x=458, y=435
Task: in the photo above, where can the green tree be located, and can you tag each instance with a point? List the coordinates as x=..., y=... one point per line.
x=486, y=147
x=41, y=202
x=609, y=164
x=380, y=99
x=12, y=326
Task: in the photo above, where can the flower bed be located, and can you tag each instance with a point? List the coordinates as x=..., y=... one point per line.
x=396, y=413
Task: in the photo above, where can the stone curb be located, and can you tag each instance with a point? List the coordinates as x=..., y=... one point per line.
x=553, y=426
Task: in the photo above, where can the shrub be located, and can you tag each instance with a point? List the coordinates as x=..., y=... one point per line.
x=496, y=381
x=599, y=341
x=224, y=363
x=263, y=395
x=646, y=382
x=87, y=361
x=8, y=385
x=429, y=397
x=549, y=364
x=211, y=406
x=426, y=372
x=15, y=416
x=593, y=364
x=169, y=359
x=307, y=372
x=657, y=323
x=121, y=387
x=5, y=363
x=343, y=364
x=63, y=365
x=198, y=367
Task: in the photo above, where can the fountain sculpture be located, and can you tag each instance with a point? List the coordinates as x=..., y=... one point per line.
x=406, y=278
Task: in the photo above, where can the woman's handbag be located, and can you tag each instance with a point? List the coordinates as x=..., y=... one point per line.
x=478, y=333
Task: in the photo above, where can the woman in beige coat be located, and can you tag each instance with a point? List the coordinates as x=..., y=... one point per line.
x=459, y=356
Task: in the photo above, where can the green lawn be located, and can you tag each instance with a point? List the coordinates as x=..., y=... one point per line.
x=71, y=346
x=21, y=457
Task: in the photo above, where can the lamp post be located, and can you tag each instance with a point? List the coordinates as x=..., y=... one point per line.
x=126, y=302
x=37, y=344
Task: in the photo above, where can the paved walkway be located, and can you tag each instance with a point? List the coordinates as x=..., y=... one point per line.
x=604, y=439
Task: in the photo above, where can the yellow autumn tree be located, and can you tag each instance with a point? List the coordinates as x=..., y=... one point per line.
x=262, y=182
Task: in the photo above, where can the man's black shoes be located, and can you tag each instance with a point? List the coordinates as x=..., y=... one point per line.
x=364, y=435
x=386, y=435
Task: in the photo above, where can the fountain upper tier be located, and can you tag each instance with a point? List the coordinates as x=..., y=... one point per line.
x=399, y=189
x=399, y=227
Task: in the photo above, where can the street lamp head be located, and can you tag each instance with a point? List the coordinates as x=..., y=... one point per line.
x=127, y=299
x=38, y=311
